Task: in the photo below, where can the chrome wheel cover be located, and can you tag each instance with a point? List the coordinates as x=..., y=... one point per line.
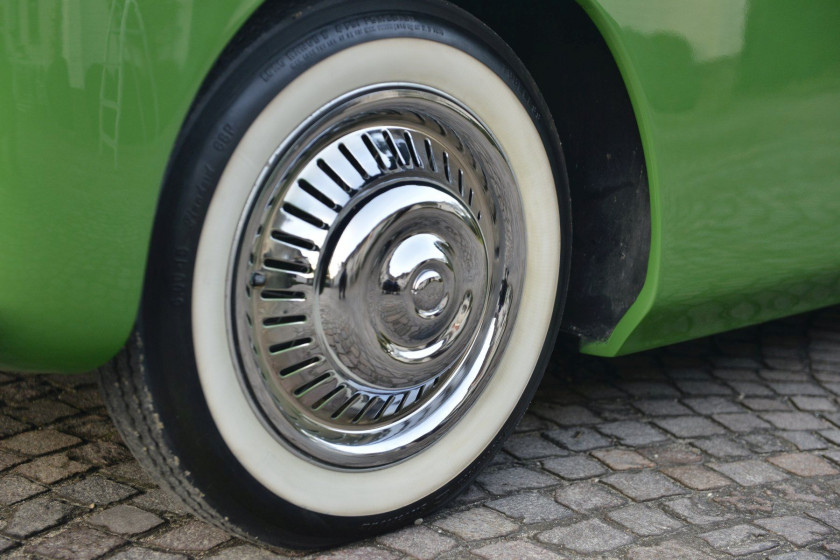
x=374, y=276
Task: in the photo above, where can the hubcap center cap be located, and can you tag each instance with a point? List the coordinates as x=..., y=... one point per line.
x=420, y=269
x=386, y=300
x=429, y=293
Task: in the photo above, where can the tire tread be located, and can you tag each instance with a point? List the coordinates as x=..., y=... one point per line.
x=130, y=404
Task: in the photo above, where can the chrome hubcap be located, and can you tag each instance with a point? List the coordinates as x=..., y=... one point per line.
x=376, y=271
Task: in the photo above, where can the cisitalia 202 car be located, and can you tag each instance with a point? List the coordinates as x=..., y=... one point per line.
x=324, y=247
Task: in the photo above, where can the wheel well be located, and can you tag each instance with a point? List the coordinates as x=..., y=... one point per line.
x=578, y=76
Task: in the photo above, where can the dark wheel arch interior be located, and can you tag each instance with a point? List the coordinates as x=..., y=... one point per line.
x=584, y=89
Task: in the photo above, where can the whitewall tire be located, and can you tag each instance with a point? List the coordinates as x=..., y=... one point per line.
x=358, y=263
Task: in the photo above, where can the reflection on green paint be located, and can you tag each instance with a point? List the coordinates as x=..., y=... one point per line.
x=92, y=95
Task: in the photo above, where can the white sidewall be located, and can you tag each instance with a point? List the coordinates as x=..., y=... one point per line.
x=474, y=85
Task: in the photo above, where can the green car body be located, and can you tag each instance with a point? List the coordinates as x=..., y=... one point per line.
x=737, y=104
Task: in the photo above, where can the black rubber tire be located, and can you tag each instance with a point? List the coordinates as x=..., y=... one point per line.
x=152, y=388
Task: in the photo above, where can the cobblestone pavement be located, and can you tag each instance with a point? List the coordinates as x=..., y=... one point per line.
x=728, y=446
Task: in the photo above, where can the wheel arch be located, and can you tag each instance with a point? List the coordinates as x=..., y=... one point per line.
x=589, y=94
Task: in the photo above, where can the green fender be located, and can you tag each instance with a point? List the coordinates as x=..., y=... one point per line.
x=92, y=96
x=738, y=105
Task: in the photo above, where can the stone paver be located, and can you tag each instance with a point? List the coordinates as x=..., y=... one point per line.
x=10, y=459
x=356, y=553
x=741, y=540
x=477, y=524
x=586, y=537
x=672, y=454
x=761, y=404
x=587, y=496
x=662, y=407
x=578, y=439
x=703, y=388
x=644, y=520
x=52, y=468
x=566, y=415
x=39, y=442
x=632, y=433
x=713, y=449
x=689, y=426
x=828, y=516
x=194, y=536
x=10, y=426
x=515, y=550
x=806, y=441
x=142, y=553
x=795, y=420
x=531, y=446
x=6, y=544
x=160, y=501
x=789, y=388
x=574, y=468
x=421, y=542
x=746, y=502
x=250, y=552
x=813, y=403
x=803, y=464
x=622, y=459
x=697, y=510
x=95, y=490
x=514, y=479
x=645, y=485
x=100, y=453
x=36, y=515
x=741, y=422
x=750, y=472
x=799, y=555
x=77, y=543
x=762, y=442
x=43, y=411
x=125, y=519
x=832, y=435
x=650, y=390
x=669, y=550
x=697, y=477
x=14, y=488
x=798, y=530
x=531, y=508
x=750, y=388
x=712, y=405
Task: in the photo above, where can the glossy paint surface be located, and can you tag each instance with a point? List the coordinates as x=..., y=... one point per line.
x=738, y=102
x=92, y=95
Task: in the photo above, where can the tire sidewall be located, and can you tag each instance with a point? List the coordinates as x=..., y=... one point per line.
x=261, y=62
